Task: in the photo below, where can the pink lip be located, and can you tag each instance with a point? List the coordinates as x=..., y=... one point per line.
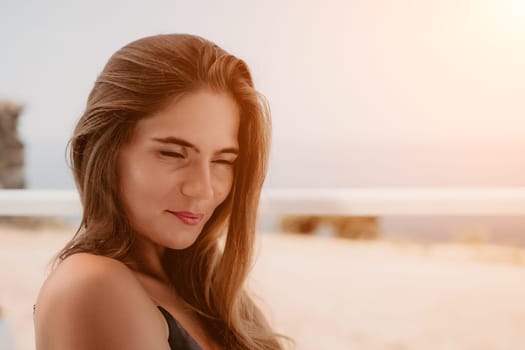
x=188, y=218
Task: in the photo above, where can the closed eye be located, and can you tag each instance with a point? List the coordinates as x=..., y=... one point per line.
x=224, y=161
x=171, y=154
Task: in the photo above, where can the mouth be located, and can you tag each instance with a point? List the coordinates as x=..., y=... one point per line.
x=188, y=218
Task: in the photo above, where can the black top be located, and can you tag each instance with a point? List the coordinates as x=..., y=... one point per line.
x=179, y=339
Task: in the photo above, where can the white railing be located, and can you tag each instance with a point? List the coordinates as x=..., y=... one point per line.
x=308, y=201
x=40, y=202
x=397, y=201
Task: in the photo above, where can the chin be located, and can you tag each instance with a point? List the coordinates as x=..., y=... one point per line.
x=182, y=243
x=183, y=246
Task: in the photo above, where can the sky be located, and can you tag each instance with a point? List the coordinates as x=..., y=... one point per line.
x=362, y=93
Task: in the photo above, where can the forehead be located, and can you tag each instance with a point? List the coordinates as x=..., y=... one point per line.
x=206, y=119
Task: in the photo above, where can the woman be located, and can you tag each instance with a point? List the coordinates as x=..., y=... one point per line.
x=169, y=157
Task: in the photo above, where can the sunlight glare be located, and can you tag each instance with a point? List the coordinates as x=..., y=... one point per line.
x=514, y=15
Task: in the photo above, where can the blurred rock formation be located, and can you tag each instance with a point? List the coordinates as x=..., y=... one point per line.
x=11, y=147
x=12, y=169
x=353, y=227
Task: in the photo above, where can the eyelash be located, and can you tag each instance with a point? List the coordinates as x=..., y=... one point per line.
x=180, y=156
x=171, y=154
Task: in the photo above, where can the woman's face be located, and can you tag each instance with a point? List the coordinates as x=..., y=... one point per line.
x=179, y=166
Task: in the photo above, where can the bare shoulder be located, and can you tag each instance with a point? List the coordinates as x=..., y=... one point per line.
x=92, y=301
x=84, y=267
x=86, y=275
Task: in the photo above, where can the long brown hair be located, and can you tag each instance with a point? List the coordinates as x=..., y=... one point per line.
x=139, y=80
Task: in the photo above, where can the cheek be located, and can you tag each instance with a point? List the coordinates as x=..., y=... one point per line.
x=224, y=184
x=141, y=183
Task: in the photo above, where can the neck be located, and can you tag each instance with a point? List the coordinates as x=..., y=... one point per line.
x=148, y=257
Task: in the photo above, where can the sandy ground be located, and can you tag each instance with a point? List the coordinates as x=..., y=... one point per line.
x=334, y=294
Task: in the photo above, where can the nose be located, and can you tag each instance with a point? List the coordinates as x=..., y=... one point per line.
x=197, y=182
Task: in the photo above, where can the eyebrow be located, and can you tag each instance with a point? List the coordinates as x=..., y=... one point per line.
x=184, y=143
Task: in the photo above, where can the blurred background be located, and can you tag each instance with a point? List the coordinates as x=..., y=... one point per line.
x=364, y=93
